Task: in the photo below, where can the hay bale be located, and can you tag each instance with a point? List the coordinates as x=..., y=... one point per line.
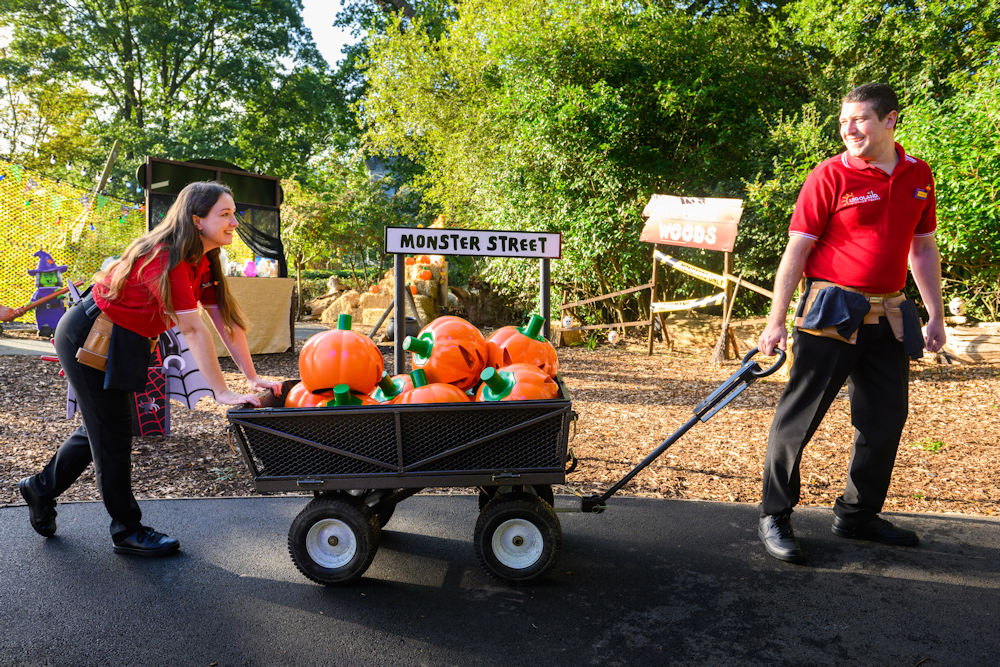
x=346, y=304
x=974, y=343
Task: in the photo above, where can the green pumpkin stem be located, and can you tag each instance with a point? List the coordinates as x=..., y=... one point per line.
x=420, y=346
x=534, y=327
x=342, y=396
x=499, y=384
x=418, y=377
x=344, y=322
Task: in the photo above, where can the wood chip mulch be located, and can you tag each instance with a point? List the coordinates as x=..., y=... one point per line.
x=627, y=404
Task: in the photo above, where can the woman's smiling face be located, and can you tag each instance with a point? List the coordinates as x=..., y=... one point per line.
x=218, y=226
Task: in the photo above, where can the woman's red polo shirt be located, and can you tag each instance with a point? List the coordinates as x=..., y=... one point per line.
x=863, y=220
x=138, y=307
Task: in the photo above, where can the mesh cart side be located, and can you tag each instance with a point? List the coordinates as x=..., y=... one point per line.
x=405, y=446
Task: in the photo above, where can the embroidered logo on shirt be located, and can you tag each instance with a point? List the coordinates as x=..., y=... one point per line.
x=850, y=199
x=920, y=193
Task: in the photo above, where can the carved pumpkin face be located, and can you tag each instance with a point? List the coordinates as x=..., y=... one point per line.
x=340, y=356
x=523, y=345
x=518, y=382
x=300, y=397
x=449, y=350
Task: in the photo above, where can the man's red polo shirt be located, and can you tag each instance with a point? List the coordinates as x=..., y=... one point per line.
x=863, y=220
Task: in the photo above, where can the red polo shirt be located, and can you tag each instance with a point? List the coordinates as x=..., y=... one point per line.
x=863, y=220
x=138, y=307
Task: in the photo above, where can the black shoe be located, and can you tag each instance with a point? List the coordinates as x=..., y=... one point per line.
x=776, y=533
x=878, y=530
x=146, y=542
x=41, y=513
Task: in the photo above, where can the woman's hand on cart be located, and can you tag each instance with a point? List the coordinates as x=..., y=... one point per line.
x=229, y=397
x=264, y=385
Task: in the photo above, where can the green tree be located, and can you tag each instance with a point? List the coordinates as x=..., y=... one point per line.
x=339, y=215
x=957, y=136
x=914, y=44
x=566, y=115
x=240, y=81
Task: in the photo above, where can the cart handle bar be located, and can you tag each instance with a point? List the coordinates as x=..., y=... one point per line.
x=748, y=373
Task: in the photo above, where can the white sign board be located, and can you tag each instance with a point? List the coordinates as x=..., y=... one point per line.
x=479, y=242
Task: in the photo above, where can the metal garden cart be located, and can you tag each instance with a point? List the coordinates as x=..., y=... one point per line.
x=359, y=462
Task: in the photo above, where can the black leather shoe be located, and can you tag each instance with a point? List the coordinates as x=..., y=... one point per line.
x=876, y=530
x=41, y=513
x=776, y=533
x=146, y=542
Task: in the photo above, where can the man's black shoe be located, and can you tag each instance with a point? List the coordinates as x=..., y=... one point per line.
x=876, y=530
x=776, y=533
x=146, y=542
x=41, y=513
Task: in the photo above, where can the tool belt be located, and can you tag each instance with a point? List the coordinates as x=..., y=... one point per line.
x=834, y=311
x=94, y=351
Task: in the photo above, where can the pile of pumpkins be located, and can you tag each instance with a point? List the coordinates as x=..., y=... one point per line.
x=453, y=363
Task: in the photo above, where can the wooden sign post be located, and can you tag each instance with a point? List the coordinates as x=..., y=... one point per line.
x=694, y=222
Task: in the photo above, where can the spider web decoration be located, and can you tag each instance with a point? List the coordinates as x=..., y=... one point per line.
x=184, y=381
x=150, y=409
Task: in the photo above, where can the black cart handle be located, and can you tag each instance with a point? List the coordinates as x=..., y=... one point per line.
x=757, y=372
x=747, y=374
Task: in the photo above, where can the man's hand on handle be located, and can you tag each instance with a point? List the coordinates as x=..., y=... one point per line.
x=774, y=335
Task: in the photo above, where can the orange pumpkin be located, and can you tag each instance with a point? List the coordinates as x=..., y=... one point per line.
x=373, y=289
x=523, y=345
x=340, y=356
x=424, y=259
x=409, y=261
x=300, y=397
x=413, y=290
x=343, y=396
x=517, y=382
x=449, y=350
x=425, y=275
x=430, y=392
x=389, y=387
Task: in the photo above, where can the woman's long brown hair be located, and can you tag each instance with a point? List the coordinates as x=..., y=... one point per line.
x=177, y=232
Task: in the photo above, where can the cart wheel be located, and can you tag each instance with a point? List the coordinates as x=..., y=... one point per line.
x=543, y=491
x=517, y=538
x=333, y=541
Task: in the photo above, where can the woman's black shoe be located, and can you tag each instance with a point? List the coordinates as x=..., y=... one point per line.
x=146, y=542
x=41, y=513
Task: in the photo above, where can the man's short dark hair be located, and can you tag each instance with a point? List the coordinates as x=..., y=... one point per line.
x=881, y=95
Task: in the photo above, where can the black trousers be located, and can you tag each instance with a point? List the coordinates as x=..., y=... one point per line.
x=877, y=373
x=104, y=438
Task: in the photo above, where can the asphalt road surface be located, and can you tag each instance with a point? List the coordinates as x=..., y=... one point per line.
x=649, y=582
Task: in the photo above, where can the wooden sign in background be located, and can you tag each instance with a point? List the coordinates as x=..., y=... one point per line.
x=693, y=222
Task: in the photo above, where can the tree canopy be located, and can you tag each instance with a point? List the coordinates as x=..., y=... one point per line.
x=566, y=115
x=240, y=81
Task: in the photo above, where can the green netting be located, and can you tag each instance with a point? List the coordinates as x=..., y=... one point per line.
x=79, y=231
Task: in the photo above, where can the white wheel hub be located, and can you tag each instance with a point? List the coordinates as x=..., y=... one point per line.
x=517, y=543
x=331, y=543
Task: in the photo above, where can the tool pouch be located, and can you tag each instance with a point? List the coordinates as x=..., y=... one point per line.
x=831, y=312
x=94, y=351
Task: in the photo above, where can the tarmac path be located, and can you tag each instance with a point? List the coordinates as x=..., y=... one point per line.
x=649, y=582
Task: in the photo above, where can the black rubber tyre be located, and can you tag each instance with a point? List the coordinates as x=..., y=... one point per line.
x=333, y=541
x=543, y=491
x=518, y=538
